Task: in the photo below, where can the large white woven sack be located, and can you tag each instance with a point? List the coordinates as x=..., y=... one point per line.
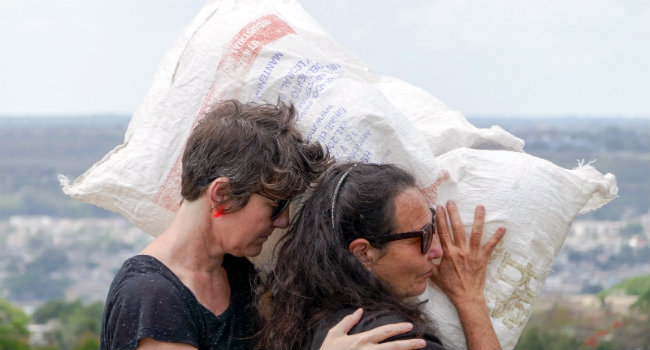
x=265, y=50
x=536, y=201
x=262, y=51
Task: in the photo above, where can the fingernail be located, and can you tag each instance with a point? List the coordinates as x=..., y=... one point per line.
x=451, y=203
x=421, y=343
x=408, y=326
x=480, y=209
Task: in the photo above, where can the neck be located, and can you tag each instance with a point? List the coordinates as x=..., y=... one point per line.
x=189, y=243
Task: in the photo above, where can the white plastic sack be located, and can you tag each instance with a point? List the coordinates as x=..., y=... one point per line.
x=262, y=51
x=536, y=201
x=259, y=51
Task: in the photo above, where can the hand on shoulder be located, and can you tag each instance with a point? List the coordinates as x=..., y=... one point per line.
x=338, y=337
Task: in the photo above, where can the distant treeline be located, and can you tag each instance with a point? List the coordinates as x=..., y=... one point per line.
x=33, y=150
x=620, y=146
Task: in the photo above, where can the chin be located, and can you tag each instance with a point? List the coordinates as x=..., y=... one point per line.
x=418, y=291
x=252, y=252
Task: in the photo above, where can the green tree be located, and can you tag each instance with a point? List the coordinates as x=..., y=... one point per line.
x=638, y=285
x=642, y=304
x=568, y=326
x=88, y=341
x=51, y=310
x=13, y=327
x=80, y=324
x=538, y=338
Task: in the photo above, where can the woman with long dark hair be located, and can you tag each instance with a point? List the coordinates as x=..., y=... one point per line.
x=366, y=238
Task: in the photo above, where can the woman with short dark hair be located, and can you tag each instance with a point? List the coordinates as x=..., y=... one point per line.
x=191, y=287
x=366, y=238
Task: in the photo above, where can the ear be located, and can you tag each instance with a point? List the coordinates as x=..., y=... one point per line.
x=362, y=250
x=217, y=189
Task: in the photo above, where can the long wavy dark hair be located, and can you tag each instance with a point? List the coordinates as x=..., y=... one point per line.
x=315, y=273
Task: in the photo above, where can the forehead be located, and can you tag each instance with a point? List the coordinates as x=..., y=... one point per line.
x=411, y=210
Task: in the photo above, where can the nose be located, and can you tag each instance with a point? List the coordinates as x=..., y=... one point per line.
x=435, y=251
x=281, y=221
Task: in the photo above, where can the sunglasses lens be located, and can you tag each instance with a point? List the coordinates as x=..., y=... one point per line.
x=282, y=206
x=433, y=220
x=427, y=233
x=427, y=238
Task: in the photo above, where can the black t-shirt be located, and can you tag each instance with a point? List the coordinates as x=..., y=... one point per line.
x=147, y=300
x=372, y=320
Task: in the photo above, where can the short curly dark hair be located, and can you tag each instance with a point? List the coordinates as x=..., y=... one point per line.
x=255, y=146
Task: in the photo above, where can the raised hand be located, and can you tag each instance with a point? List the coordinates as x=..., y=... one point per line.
x=462, y=270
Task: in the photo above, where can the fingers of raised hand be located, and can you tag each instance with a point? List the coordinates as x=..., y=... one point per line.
x=489, y=246
x=477, y=228
x=456, y=224
x=442, y=226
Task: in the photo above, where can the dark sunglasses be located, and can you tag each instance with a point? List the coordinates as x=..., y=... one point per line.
x=280, y=207
x=426, y=234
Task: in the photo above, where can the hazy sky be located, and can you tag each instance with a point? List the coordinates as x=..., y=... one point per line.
x=481, y=57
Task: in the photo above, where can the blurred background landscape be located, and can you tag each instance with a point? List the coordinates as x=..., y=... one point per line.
x=570, y=78
x=59, y=256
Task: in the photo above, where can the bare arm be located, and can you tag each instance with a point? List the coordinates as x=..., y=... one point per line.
x=338, y=338
x=461, y=273
x=150, y=343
